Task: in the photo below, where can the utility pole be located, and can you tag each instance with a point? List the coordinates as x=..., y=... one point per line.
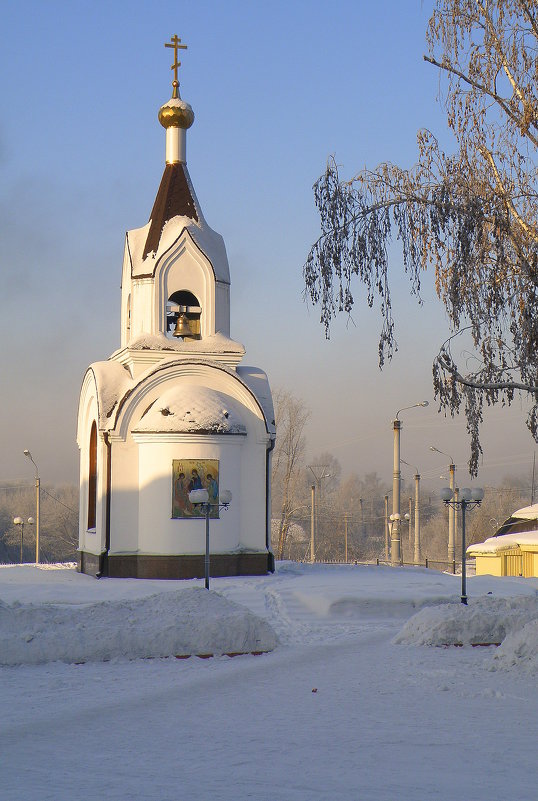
x=396, y=549
x=386, y=528
x=451, y=515
x=395, y=541
x=417, y=518
x=37, y=504
x=345, y=537
x=315, y=506
x=313, y=523
x=456, y=538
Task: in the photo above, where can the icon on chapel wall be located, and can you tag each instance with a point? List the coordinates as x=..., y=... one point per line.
x=189, y=474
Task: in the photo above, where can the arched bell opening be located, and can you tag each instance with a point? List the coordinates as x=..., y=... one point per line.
x=183, y=313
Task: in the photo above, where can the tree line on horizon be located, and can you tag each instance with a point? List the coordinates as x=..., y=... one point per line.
x=344, y=501
x=58, y=538
x=356, y=503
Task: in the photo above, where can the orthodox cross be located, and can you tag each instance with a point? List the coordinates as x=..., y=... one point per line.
x=175, y=42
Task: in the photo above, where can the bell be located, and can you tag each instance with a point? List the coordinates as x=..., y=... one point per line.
x=182, y=328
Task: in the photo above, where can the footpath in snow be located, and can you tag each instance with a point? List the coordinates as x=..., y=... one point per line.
x=357, y=700
x=50, y=614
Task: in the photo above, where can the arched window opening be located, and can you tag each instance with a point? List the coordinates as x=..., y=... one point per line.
x=183, y=313
x=92, y=477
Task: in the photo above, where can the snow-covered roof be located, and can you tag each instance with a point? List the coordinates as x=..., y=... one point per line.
x=193, y=409
x=173, y=216
x=175, y=197
x=214, y=343
x=504, y=542
x=114, y=384
x=112, y=380
x=527, y=512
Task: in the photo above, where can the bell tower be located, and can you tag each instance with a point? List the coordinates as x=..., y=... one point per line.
x=176, y=280
x=175, y=401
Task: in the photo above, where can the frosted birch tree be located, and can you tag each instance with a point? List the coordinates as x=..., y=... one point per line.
x=470, y=216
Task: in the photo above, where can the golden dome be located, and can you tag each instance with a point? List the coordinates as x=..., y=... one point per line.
x=176, y=113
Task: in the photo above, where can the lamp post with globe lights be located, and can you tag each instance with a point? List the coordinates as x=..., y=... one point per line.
x=201, y=498
x=20, y=522
x=37, y=487
x=395, y=551
x=468, y=499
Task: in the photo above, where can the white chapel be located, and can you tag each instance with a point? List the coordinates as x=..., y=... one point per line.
x=174, y=408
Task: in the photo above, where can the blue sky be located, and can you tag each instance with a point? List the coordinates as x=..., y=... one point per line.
x=276, y=88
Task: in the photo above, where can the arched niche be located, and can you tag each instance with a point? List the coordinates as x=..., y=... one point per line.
x=92, y=477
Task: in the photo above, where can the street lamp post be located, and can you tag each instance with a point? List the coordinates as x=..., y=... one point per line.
x=395, y=555
x=37, y=487
x=20, y=522
x=451, y=509
x=468, y=499
x=201, y=496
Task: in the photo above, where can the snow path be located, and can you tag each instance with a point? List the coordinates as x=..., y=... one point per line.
x=387, y=723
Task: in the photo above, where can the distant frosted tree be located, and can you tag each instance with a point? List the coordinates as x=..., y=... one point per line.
x=291, y=416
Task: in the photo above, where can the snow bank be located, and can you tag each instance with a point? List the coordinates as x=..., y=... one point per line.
x=184, y=622
x=519, y=649
x=484, y=620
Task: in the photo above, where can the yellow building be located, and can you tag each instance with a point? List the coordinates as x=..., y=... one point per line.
x=513, y=551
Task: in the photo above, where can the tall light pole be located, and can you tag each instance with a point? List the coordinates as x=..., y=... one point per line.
x=37, y=484
x=451, y=508
x=416, y=555
x=468, y=499
x=395, y=553
x=386, y=528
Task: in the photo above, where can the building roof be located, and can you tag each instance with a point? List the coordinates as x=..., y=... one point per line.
x=527, y=513
x=174, y=199
x=495, y=545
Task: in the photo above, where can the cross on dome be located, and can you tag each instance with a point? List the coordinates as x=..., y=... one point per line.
x=175, y=42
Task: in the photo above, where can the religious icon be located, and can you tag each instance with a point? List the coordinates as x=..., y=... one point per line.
x=189, y=474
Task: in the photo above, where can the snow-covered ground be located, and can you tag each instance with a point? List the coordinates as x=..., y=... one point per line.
x=363, y=697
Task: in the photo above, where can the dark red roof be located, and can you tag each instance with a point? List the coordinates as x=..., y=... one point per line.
x=173, y=198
